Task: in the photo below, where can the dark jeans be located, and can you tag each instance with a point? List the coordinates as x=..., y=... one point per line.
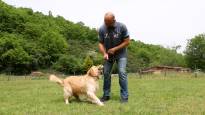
x=121, y=65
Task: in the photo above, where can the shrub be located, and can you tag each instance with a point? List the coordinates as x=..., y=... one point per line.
x=13, y=58
x=68, y=64
x=52, y=45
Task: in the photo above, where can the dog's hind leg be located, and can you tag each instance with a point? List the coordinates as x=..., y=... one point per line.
x=77, y=97
x=67, y=94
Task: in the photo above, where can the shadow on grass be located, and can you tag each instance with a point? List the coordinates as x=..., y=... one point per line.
x=115, y=98
x=72, y=100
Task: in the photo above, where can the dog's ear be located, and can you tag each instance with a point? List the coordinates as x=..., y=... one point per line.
x=93, y=71
x=90, y=71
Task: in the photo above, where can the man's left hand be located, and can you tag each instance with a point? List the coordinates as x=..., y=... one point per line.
x=111, y=51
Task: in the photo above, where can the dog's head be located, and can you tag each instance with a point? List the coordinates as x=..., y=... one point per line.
x=95, y=71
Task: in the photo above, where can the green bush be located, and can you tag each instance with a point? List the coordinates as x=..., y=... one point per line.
x=88, y=63
x=68, y=65
x=52, y=45
x=195, y=52
x=12, y=55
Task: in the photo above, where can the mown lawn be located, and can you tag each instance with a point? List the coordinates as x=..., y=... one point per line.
x=148, y=95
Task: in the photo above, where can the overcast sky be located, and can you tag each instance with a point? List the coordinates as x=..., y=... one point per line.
x=165, y=22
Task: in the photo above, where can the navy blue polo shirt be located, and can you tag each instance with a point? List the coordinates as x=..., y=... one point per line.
x=111, y=37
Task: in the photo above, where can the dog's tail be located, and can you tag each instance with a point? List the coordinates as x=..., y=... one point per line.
x=54, y=78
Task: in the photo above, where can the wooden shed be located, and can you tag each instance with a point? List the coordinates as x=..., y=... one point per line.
x=160, y=69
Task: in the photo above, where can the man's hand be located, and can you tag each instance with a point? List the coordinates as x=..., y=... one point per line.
x=106, y=57
x=111, y=51
x=103, y=51
x=125, y=43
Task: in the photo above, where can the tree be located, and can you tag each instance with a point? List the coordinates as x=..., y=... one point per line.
x=68, y=64
x=144, y=58
x=44, y=41
x=50, y=13
x=176, y=48
x=52, y=44
x=32, y=31
x=13, y=57
x=195, y=52
x=88, y=62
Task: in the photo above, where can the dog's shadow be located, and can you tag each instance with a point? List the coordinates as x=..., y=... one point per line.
x=71, y=100
x=76, y=100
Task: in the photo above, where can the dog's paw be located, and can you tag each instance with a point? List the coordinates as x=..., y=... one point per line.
x=66, y=102
x=101, y=104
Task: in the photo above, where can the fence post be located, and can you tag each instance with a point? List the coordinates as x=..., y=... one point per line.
x=165, y=73
x=140, y=74
x=195, y=74
x=9, y=77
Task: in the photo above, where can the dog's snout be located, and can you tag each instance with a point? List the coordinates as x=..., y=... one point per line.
x=100, y=67
x=101, y=70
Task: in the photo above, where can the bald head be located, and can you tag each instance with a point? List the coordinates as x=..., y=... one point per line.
x=109, y=15
x=109, y=19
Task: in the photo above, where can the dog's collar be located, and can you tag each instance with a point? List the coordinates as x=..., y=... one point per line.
x=96, y=77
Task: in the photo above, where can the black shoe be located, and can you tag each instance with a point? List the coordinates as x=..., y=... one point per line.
x=104, y=98
x=124, y=100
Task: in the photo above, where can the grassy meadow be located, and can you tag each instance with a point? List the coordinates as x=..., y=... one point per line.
x=174, y=94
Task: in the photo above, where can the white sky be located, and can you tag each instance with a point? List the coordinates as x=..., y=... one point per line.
x=165, y=22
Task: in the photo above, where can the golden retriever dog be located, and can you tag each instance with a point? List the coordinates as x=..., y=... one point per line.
x=77, y=86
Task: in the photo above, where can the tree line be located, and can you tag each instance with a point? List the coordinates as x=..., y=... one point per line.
x=33, y=41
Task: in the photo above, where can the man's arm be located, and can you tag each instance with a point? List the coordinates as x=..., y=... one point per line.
x=101, y=48
x=103, y=51
x=125, y=43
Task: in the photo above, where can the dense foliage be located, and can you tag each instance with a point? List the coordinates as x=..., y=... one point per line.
x=195, y=52
x=146, y=55
x=31, y=41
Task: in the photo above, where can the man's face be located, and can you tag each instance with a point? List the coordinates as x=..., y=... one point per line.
x=109, y=21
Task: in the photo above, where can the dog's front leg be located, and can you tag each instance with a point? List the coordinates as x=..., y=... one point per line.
x=94, y=98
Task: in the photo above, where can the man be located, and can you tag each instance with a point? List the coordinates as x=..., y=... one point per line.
x=113, y=40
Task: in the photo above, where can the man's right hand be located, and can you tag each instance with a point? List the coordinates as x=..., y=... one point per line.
x=103, y=51
x=106, y=57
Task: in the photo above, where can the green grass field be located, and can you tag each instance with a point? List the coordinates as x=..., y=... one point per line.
x=173, y=94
